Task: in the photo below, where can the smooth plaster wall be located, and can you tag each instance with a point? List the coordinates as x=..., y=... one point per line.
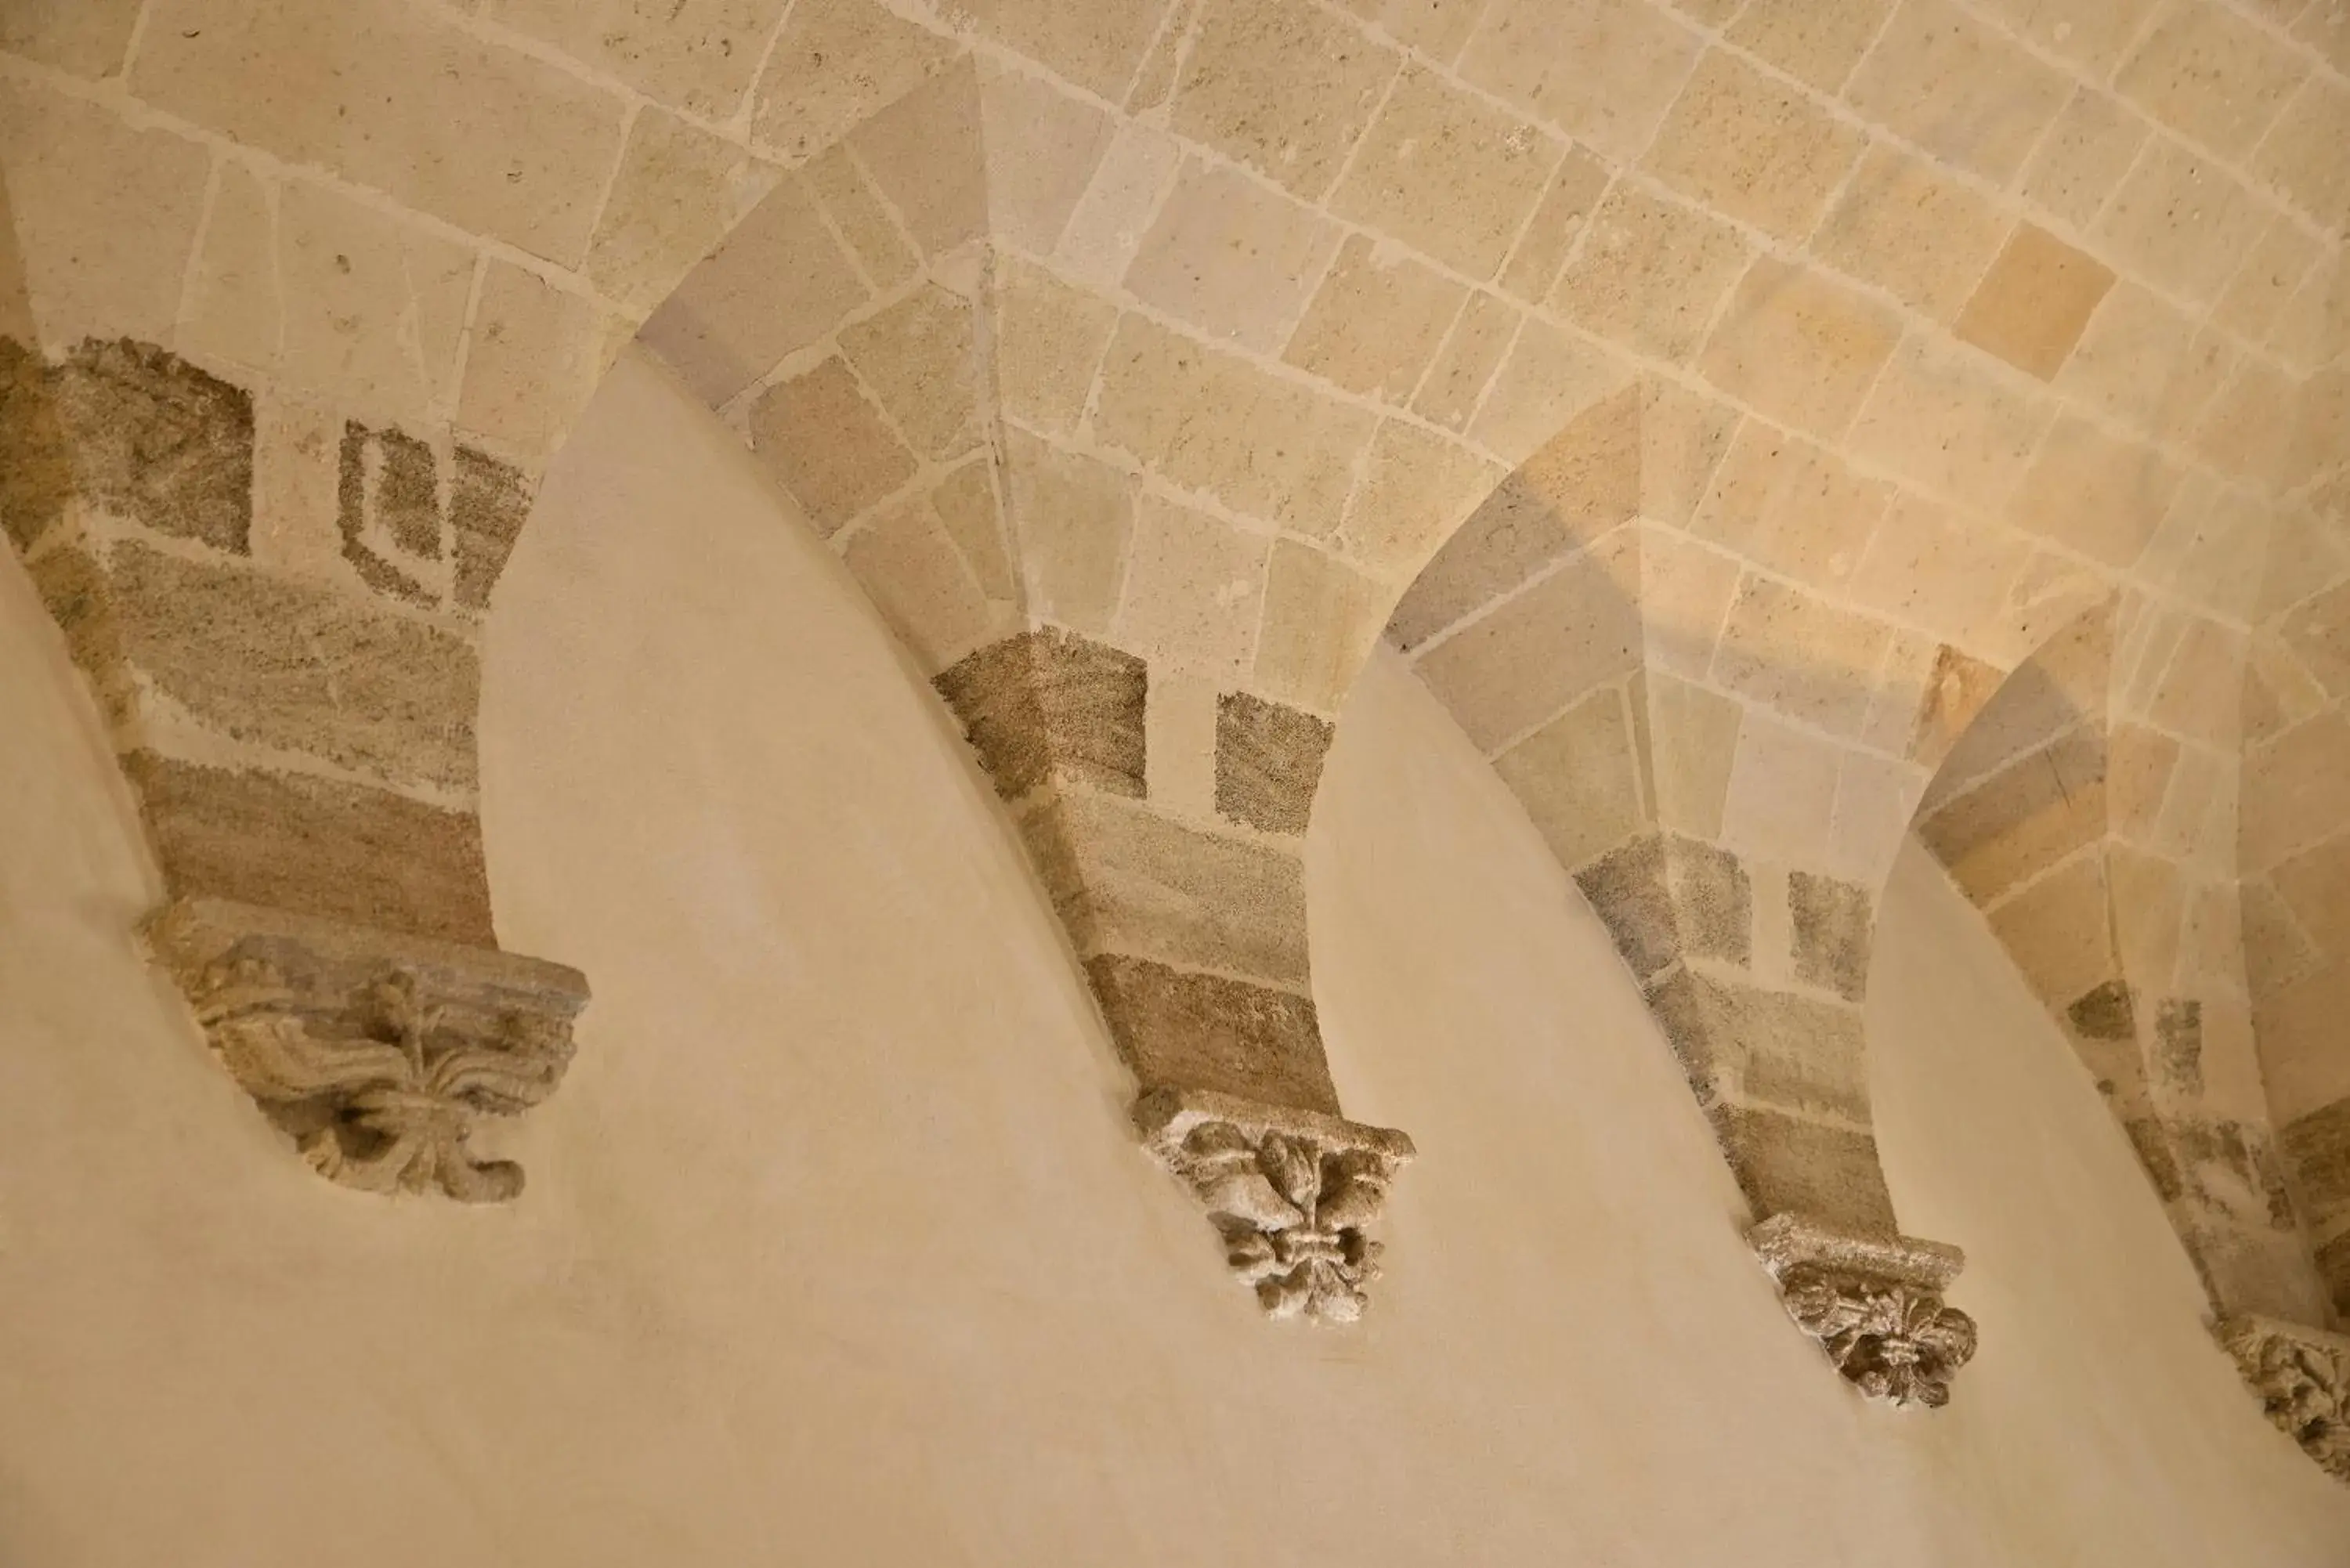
x=835, y=1250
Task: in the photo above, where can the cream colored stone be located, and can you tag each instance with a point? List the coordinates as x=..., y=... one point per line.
x=916, y=578
x=2059, y=931
x=966, y=505
x=2097, y=493
x=1375, y=321
x=878, y=248
x=2179, y=221
x=2083, y=156
x=1906, y=226
x=2245, y=430
x=1650, y=274
x=836, y=63
x=2265, y=283
x=1415, y=489
x=394, y=97
x=2199, y=694
x=1232, y=258
x=1875, y=801
x=296, y=487
x=1934, y=568
x=2211, y=75
x=233, y=311
x=1048, y=342
x=1096, y=46
x=678, y=191
x=1958, y=88
x=1042, y=147
x=1549, y=377
x=82, y=37
x=778, y=283
x=1579, y=779
x=1603, y=71
x=2142, y=361
x=1817, y=42
x=1180, y=745
x=1799, y=347
x=917, y=356
x=1693, y=741
x=1782, y=789
x=1785, y=504
x=1321, y=618
x=2315, y=327
x=79, y=181
x=1572, y=631
x=1946, y=420
x=375, y=309
x=1799, y=656
x=1282, y=87
x=532, y=361
x=2294, y=790
x=1683, y=435
x=1073, y=519
x=1207, y=421
x=1107, y=229
x=1741, y=143
x=1456, y=383
x=1194, y=592
x=2091, y=33
x=2031, y=306
x=1437, y=28
x=1559, y=221
x=925, y=151
x=2301, y=155
x=694, y=55
x=1443, y=171
x=828, y=444
x=1685, y=594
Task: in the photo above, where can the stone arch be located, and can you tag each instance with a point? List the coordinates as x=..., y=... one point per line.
x=2100, y=847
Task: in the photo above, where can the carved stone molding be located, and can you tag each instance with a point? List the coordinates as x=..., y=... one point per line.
x=375, y=1051
x=1874, y=1302
x=1291, y=1193
x=2303, y=1376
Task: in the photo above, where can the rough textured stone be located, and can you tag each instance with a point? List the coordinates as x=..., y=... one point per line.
x=2105, y=1013
x=160, y=441
x=1788, y=1166
x=1048, y=706
x=1832, y=924
x=1748, y=146
x=1127, y=879
x=36, y=476
x=389, y=487
x=1666, y=898
x=1447, y=173
x=1281, y=87
x=2178, y=1043
x=1268, y=761
x=289, y=664
x=1177, y=1029
x=315, y=846
x=489, y=500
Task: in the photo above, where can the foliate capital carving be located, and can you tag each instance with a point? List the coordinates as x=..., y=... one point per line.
x=1874, y=1302
x=376, y=1051
x=2303, y=1376
x=1293, y=1193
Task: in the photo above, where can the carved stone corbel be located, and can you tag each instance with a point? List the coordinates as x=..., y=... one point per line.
x=2303, y=1376
x=1874, y=1302
x=1291, y=1193
x=375, y=1051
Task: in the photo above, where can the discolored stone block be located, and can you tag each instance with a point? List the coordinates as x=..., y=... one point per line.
x=159, y=441
x=35, y=459
x=2317, y=1148
x=2150, y=1140
x=389, y=485
x=830, y=445
x=1127, y=879
x=287, y=663
x=2036, y=812
x=2178, y=1043
x=1175, y=1029
x=1665, y=899
x=73, y=586
x=1788, y=1166
x=1268, y=761
x=2105, y=1013
x=1831, y=929
x=2031, y=307
x=1046, y=706
x=315, y=846
x=488, y=504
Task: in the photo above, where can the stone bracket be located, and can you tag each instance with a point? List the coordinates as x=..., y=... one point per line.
x=1292, y=1193
x=2303, y=1376
x=1874, y=1302
x=376, y=1051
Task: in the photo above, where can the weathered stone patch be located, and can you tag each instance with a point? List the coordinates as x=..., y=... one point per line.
x=1048, y=705
x=1268, y=761
x=1204, y=1031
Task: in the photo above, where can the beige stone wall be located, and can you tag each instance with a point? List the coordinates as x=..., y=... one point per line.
x=834, y=1246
